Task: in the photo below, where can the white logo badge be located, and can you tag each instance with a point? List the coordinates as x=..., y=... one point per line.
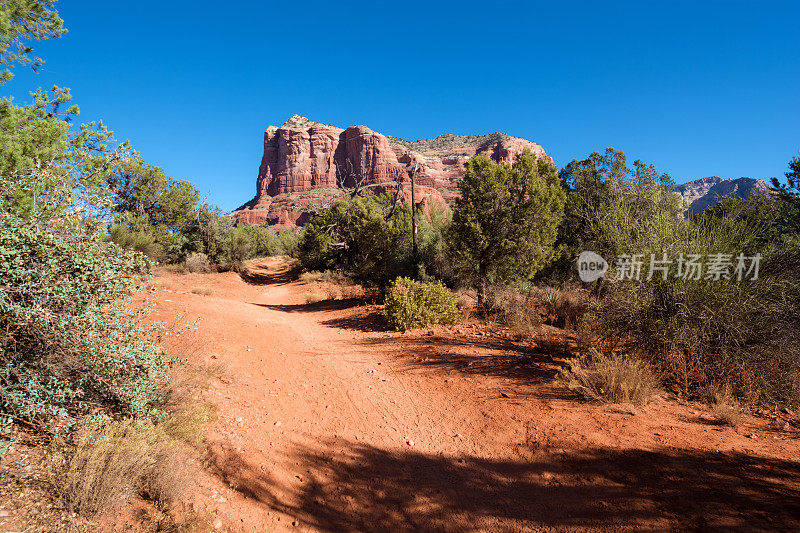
x=591, y=266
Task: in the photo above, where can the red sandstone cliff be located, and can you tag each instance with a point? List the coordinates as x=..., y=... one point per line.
x=306, y=162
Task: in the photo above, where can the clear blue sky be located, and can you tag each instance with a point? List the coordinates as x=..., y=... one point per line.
x=696, y=88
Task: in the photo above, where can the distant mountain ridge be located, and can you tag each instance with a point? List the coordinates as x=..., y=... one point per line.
x=700, y=194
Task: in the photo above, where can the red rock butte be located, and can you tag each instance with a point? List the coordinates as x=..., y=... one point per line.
x=307, y=163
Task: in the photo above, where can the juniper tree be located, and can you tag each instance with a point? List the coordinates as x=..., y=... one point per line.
x=506, y=220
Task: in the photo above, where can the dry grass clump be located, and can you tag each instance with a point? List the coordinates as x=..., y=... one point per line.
x=188, y=420
x=152, y=519
x=334, y=285
x=120, y=460
x=552, y=343
x=329, y=285
x=726, y=414
x=197, y=262
x=204, y=291
x=570, y=308
x=315, y=297
x=723, y=407
x=161, y=284
x=563, y=309
x=611, y=379
x=187, y=417
x=312, y=276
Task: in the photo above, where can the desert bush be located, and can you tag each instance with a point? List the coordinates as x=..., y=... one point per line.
x=505, y=221
x=71, y=338
x=610, y=378
x=369, y=240
x=413, y=304
x=240, y=248
x=697, y=332
x=197, y=262
x=570, y=308
x=612, y=208
x=131, y=238
x=228, y=245
x=693, y=332
x=286, y=242
x=366, y=237
x=119, y=460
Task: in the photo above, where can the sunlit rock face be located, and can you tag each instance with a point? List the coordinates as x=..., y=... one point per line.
x=306, y=163
x=699, y=194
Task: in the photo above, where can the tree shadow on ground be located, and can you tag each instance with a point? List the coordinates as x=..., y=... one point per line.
x=518, y=362
x=322, y=305
x=263, y=275
x=365, y=488
x=368, y=320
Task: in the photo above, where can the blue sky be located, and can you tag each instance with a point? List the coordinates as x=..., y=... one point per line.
x=697, y=88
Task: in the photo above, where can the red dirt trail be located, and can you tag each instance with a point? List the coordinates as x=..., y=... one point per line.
x=327, y=422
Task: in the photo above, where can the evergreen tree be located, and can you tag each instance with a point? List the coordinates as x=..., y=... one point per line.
x=506, y=220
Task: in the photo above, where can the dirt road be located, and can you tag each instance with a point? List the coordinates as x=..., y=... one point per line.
x=329, y=422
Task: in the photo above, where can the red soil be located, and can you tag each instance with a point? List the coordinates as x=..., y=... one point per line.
x=329, y=422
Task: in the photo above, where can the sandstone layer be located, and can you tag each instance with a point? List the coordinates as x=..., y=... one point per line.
x=306, y=163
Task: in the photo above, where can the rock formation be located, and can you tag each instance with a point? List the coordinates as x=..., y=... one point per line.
x=306, y=162
x=699, y=194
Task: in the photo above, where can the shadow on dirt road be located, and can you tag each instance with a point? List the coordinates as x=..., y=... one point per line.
x=370, y=489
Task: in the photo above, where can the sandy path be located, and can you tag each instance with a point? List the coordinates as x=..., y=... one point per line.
x=327, y=422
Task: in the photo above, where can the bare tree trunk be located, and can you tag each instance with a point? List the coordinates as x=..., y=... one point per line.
x=481, y=289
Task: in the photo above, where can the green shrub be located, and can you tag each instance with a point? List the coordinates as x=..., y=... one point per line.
x=505, y=220
x=414, y=304
x=72, y=339
x=354, y=236
x=743, y=335
x=370, y=239
x=136, y=239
